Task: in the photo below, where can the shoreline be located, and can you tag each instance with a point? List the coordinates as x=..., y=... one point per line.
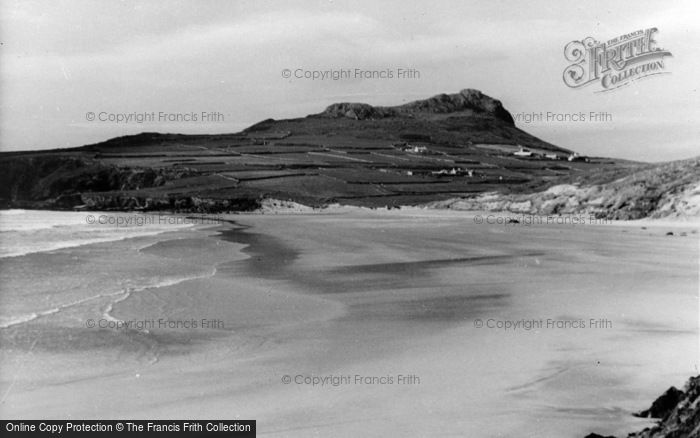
x=288, y=208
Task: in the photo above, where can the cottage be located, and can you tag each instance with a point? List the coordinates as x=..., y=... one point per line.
x=453, y=171
x=522, y=152
x=416, y=149
x=576, y=157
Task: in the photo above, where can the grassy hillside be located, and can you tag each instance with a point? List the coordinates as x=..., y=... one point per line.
x=435, y=149
x=653, y=190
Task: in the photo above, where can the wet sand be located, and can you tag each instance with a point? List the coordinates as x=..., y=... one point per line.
x=381, y=295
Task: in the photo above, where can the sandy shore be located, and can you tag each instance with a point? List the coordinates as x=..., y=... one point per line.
x=415, y=297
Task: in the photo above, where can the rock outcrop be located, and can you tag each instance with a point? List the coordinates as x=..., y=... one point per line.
x=663, y=405
x=678, y=413
x=466, y=100
x=357, y=111
x=680, y=421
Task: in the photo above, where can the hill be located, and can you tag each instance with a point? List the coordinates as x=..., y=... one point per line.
x=444, y=147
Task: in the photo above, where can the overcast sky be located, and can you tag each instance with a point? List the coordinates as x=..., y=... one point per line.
x=61, y=60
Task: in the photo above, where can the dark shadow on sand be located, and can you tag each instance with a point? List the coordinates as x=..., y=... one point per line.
x=413, y=297
x=269, y=256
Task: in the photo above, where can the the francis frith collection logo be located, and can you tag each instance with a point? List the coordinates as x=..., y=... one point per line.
x=616, y=62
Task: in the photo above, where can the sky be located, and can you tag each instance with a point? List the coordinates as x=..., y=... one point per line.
x=71, y=70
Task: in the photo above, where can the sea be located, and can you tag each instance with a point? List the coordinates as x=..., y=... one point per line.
x=69, y=266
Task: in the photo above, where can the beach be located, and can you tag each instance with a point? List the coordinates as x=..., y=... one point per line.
x=408, y=322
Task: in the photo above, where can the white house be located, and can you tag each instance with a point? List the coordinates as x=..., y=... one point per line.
x=522, y=152
x=576, y=157
x=417, y=149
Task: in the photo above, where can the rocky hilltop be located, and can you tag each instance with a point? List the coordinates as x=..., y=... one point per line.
x=454, y=150
x=473, y=102
x=678, y=414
